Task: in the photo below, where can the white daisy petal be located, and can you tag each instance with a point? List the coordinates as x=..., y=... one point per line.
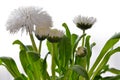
x=84, y=22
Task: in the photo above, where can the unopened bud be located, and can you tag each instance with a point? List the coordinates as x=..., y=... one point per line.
x=81, y=52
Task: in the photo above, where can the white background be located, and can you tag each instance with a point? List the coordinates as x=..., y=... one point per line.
x=107, y=13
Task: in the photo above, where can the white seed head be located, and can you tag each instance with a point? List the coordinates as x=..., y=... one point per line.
x=25, y=18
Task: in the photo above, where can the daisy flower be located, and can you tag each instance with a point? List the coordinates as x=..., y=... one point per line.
x=42, y=33
x=55, y=35
x=84, y=23
x=26, y=18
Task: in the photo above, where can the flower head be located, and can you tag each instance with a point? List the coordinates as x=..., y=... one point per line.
x=81, y=51
x=25, y=18
x=55, y=35
x=84, y=23
x=42, y=33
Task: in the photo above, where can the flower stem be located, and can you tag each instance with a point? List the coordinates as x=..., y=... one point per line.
x=83, y=40
x=53, y=61
x=40, y=46
x=84, y=59
x=33, y=42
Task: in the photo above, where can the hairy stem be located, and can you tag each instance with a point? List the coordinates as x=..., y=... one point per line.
x=33, y=41
x=83, y=40
x=53, y=61
x=40, y=46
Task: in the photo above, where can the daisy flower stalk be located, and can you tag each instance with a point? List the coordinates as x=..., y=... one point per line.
x=54, y=37
x=26, y=19
x=41, y=34
x=84, y=23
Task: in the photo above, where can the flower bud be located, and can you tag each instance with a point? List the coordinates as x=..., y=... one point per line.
x=55, y=35
x=81, y=51
x=42, y=33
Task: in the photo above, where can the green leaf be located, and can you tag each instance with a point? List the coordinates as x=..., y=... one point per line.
x=77, y=41
x=29, y=47
x=117, y=77
x=18, y=78
x=11, y=66
x=98, y=77
x=89, y=51
x=44, y=68
x=81, y=71
x=0, y=62
x=49, y=46
x=26, y=64
x=105, y=60
x=116, y=36
x=113, y=70
x=109, y=44
x=74, y=37
x=33, y=56
x=68, y=34
x=24, y=60
x=104, y=69
x=23, y=77
x=22, y=46
x=32, y=64
x=64, y=51
x=38, y=65
x=93, y=44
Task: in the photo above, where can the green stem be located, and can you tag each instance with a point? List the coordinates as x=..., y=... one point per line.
x=33, y=41
x=83, y=40
x=84, y=59
x=40, y=46
x=53, y=61
x=68, y=74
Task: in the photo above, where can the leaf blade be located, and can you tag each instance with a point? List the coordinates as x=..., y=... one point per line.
x=81, y=71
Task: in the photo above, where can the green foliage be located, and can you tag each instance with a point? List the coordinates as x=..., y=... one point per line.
x=68, y=33
x=105, y=55
x=89, y=51
x=11, y=66
x=65, y=62
x=113, y=70
x=64, y=52
x=81, y=71
x=0, y=62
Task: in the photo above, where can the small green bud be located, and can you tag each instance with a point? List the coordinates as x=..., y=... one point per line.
x=81, y=51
